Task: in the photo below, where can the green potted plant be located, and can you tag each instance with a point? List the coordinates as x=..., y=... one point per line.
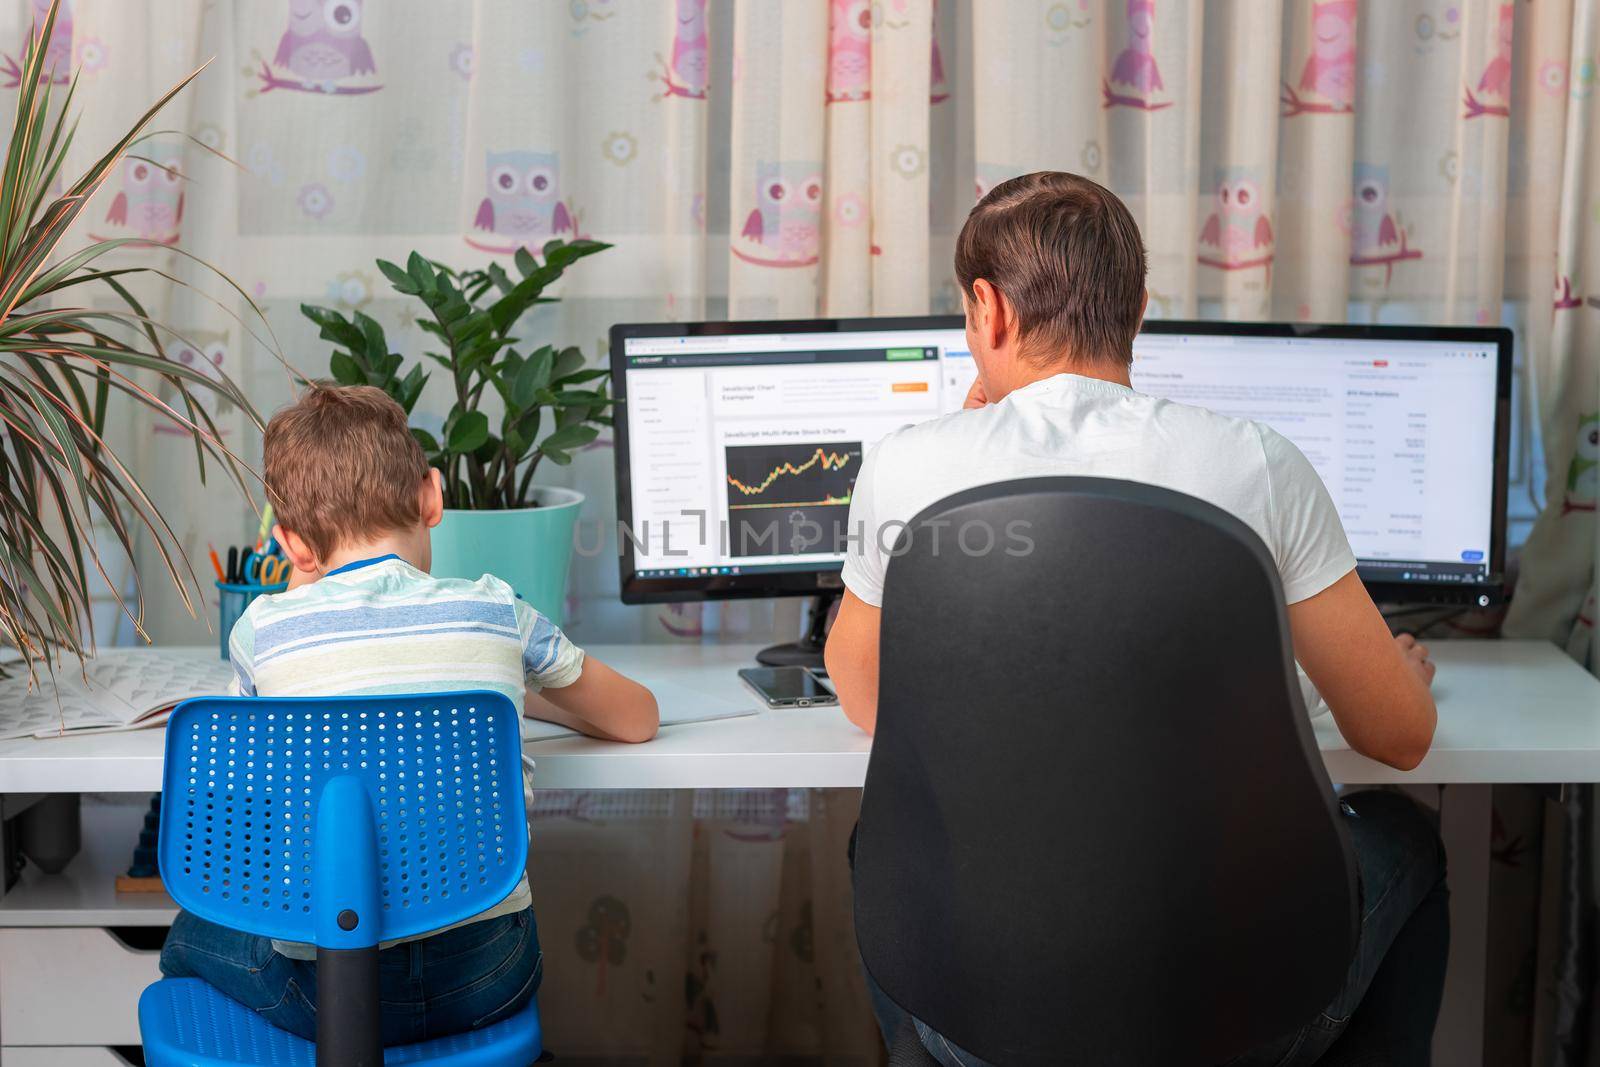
x=76, y=342
x=498, y=520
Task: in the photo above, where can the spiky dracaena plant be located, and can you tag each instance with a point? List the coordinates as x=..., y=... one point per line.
x=62, y=360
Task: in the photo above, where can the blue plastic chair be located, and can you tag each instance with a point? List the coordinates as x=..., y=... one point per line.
x=341, y=822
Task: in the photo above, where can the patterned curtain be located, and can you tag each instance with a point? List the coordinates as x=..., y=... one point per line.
x=1388, y=160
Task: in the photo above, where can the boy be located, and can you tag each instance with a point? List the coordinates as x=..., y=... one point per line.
x=355, y=501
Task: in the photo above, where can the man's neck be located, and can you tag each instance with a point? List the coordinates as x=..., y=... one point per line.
x=1026, y=372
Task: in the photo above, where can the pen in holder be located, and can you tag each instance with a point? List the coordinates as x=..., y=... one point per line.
x=235, y=597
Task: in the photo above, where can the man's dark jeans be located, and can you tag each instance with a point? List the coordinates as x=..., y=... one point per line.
x=1396, y=979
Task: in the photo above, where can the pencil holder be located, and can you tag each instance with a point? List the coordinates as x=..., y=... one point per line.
x=235, y=597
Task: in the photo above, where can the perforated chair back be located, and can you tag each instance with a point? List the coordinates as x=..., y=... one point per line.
x=1096, y=827
x=294, y=817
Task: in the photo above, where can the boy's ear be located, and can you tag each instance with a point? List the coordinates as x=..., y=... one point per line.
x=432, y=499
x=295, y=548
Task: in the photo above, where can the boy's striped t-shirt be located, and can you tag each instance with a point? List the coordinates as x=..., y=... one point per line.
x=382, y=626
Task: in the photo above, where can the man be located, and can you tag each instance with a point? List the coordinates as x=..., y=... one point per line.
x=1052, y=272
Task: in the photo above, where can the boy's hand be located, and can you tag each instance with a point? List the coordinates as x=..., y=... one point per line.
x=976, y=397
x=1416, y=654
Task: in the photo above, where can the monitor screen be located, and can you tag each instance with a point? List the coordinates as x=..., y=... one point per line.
x=738, y=443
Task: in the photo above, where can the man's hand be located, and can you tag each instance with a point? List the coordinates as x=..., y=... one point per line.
x=976, y=397
x=1416, y=654
x=1376, y=685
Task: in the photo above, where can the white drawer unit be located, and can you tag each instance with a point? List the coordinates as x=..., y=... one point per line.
x=72, y=985
x=75, y=954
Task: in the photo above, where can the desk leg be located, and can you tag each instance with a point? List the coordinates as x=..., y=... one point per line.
x=1465, y=821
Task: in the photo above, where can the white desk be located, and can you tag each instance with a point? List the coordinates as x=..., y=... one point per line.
x=1509, y=711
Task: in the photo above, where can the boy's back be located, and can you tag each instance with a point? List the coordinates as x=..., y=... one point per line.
x=383, y=626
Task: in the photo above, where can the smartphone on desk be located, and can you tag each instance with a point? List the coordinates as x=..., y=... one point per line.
x=787, y=687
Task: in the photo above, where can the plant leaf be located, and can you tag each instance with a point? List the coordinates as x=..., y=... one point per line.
x=470, y=430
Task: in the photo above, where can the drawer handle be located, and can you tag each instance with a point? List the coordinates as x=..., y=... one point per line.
x=139, y=938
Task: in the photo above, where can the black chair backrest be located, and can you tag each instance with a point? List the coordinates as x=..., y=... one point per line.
x=1096, y=827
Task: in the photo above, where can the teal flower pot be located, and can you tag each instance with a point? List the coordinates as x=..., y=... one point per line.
x=529, y=549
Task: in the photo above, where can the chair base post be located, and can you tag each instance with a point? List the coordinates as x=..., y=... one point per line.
x=349, y=1028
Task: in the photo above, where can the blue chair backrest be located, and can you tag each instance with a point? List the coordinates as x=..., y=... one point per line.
x=342, y=821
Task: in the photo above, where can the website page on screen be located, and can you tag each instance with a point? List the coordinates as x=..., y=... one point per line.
x=744, y=449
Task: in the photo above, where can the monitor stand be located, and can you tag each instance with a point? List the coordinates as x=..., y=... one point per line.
x=806, y=652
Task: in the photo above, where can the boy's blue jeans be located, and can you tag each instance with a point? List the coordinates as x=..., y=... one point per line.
x=1396, y=978
x=458, y=980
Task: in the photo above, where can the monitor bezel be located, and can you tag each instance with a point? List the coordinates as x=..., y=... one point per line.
x=692, y=588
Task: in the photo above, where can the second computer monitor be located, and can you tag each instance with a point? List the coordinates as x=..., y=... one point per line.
x=738, y=443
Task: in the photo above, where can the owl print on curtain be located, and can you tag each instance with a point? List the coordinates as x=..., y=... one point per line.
x=1237, y=234
x=522, y=205
x=1492, y=95
x=1327, y=83
x=323, y=49
x=1135, y=79
x=688, y=70
x=849, y=51
x=1377, y=237
x=785, y=227
x=57, y=68
x=1583, y=475
x=148, y=205
x=207, y=352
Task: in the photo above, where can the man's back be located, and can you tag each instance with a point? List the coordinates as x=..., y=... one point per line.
x=1073, y=425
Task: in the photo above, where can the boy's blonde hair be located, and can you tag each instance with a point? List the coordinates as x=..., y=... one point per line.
x=342, y=466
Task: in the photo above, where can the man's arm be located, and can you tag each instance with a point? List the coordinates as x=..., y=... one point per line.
x=852, y=660
x=1375, y=685
x=601, y=703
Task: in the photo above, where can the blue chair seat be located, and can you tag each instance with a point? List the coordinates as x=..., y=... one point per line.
x=186, y=1023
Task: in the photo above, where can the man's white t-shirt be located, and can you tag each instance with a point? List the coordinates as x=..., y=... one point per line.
x=1072, y=425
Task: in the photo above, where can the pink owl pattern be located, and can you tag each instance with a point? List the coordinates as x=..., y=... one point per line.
x=688, y=71
x=207, y=352
x=1135, y=79
x=1566, y=299
x=149, y=201
x=57, y=68
x=849, y=51
x=1238, y=233
x=1328, y=80
x=522, y=205
x=785, y=227
x=1494, y=84
x=1377, y=236
x=323, y=49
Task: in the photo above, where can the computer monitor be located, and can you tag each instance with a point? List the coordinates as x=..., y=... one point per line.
x=737, y=442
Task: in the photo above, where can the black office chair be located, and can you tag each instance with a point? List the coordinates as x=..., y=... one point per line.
x=1096, y=828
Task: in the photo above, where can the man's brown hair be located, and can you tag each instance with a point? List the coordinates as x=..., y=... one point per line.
x=1067, y=255
x=342, y=466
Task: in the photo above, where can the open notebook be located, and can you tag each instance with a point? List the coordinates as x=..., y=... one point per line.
x=119, y=689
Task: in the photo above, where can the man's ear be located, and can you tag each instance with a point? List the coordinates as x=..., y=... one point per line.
x=295, y=548
x=432, y=503
x=1144, y=307
x=989, y=311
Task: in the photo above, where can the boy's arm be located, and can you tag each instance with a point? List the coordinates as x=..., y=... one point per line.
x=852, y=659
x=1375, y=685
x=600, y=702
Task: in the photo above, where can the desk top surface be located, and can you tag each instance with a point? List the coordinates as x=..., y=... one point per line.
x=1509, y=711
